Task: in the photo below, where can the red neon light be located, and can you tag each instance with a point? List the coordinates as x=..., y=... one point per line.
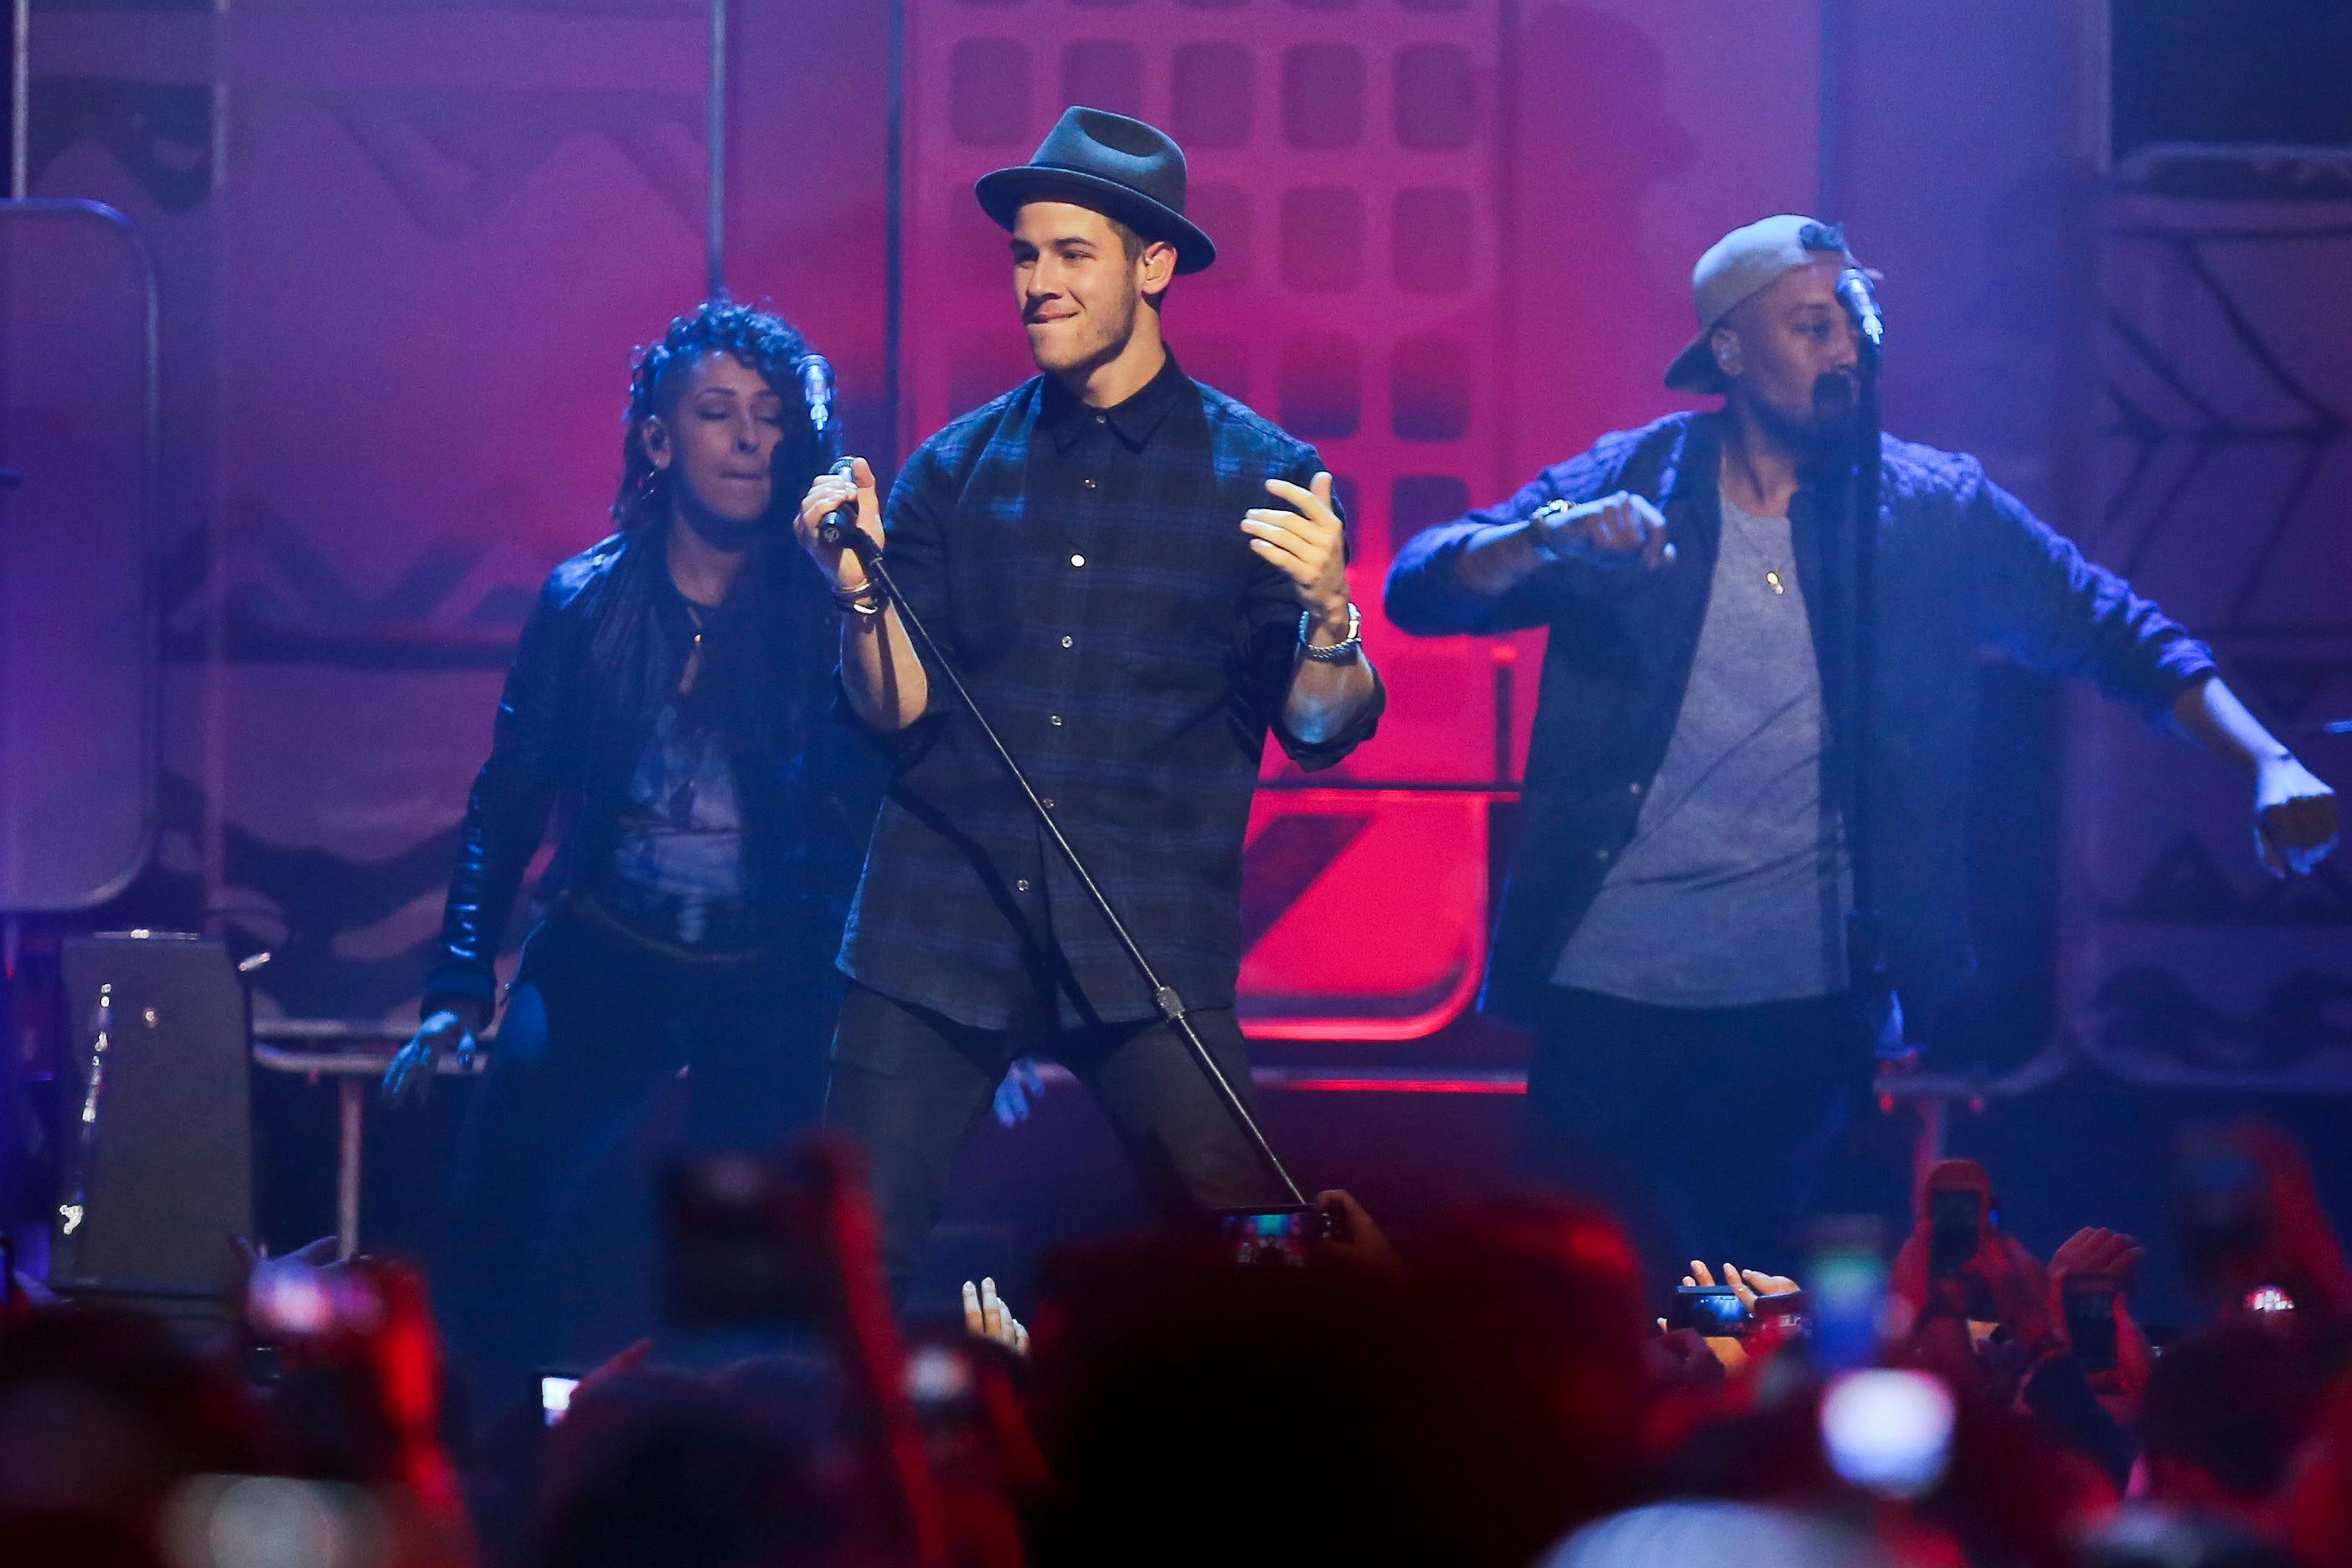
x=1403, y=1085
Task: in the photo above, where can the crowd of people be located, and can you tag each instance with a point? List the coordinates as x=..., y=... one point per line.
x=1497, y=1387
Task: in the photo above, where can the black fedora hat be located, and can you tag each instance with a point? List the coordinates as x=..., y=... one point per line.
x=1120, y=167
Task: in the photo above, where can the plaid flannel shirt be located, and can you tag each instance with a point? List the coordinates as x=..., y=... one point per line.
x=1087, y=570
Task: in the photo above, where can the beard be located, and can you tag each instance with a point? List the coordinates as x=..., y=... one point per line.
x=1825, y=429
x=1107, y=337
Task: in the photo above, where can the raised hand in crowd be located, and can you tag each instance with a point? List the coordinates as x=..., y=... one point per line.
x=1968, y=1268
x=1350, y=1238
x=986, y=1316
x=2101, y=1263
x=1748, y=1285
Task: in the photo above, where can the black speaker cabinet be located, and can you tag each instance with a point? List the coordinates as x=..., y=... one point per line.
x=156, y=1166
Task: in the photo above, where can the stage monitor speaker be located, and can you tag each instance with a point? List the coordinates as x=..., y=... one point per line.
x=155, y=1167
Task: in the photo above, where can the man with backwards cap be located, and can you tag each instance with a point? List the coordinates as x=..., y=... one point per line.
x=1140, y=578
x=1673, y=927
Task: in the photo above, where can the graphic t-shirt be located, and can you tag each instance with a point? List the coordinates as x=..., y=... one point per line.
x=679, y=872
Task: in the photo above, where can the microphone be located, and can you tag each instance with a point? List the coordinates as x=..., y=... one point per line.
x=817, y=390
x=838, y=530
x=1853, y=293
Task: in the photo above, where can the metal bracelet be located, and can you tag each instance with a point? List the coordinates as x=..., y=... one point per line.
x=1339, y=652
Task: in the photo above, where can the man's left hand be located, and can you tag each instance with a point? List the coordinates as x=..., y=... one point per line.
x=1308, y=546
x=2294, y=816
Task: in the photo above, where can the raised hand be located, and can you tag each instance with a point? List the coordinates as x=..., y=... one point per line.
x=834, y=492
x=987, y=1317
x=1308, y=545
x=1747, y=1284
x=1352, y=1236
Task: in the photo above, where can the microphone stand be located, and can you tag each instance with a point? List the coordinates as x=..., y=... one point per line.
x=1866, y=926
x=1164, y=995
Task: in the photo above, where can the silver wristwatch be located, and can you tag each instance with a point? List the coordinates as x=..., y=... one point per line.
x=1339, y=652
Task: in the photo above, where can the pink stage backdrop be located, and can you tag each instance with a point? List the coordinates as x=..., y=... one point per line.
x=407, y=251
x=1436, y=261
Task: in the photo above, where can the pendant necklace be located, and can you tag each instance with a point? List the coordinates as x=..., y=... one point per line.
x=695, y=614
x=1772, y=578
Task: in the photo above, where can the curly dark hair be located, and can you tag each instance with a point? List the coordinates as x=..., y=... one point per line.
x=763, y=341
x=767, y=654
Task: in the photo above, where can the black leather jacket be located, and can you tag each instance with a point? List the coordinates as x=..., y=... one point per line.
x=604, y=646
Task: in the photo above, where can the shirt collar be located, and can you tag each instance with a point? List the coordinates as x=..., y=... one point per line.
x=1133, y=420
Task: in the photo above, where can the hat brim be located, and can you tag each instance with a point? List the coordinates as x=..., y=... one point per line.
x=1694, y=370
x=1002, y=192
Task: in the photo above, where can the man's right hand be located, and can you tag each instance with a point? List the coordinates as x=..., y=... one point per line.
x=837, y=493
x=409, y=1078
x=1620, y=530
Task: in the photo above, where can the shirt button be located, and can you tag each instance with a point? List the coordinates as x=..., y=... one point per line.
x=1088, y=483
x=1066, y=642
x=1601, y=855
x=1634, y=788
x=1022, y=885
x=1102, y=419
x=1077, y=560
x=1047, y=801
x=1055, y=719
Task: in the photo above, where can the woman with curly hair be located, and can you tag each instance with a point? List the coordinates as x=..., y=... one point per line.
x=668, y=709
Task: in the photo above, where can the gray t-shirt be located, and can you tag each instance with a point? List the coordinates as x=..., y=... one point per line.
x=1734, y=889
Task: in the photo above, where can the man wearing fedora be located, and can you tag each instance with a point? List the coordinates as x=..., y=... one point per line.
x=1139, y=578
x=1673, y=927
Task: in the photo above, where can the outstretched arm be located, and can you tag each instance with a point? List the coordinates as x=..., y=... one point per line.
x=2294, y=814
x=2053, y=610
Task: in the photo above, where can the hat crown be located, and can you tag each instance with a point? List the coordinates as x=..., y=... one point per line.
x=1748, y=259
x=1740, y=265
x=1095, y=142
x=1121, y=166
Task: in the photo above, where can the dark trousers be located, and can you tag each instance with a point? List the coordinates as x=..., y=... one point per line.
x=611, y=1056
x=907, y=1085
x=1714, y=1133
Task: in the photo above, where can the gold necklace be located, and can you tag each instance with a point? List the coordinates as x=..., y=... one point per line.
x=1772, y=578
